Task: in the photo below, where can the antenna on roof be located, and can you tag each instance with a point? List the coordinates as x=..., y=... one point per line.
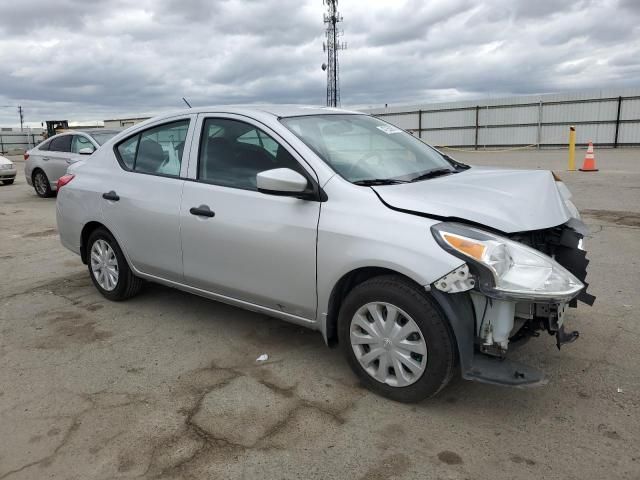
x=185, y=101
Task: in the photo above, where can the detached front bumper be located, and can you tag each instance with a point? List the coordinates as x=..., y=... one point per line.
x=486, y=327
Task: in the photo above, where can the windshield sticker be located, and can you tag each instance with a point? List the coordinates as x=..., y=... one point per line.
x=389, y=129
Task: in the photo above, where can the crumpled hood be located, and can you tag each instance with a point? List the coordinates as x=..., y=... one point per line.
x=506, y=200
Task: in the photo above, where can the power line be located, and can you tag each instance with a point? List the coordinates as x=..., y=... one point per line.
x=332, y=17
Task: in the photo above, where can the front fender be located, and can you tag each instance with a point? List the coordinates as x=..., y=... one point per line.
x=458, y=309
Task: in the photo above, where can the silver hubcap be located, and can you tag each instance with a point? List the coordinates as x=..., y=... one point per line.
x=104, y=265
x=41, y=183
x=388, y=344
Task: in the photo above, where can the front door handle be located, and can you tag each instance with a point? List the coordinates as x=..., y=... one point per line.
x=202, y=211
x=113, y=196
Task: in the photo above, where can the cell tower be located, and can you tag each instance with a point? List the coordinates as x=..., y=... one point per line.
x=331, y=46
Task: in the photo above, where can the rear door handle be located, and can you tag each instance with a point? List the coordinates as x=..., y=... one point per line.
x=46, y=159
x=202, y=211
x=113, y=196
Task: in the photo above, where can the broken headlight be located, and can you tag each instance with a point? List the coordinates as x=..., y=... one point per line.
x=507, y=269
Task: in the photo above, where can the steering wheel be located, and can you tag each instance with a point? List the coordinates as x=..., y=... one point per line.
x=366, y=156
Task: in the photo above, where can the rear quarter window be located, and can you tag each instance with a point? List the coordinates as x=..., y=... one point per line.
x=157, y=150
x=44, y=145
x=127, y=151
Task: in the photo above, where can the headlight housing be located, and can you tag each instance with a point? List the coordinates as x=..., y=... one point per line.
x=508, y=269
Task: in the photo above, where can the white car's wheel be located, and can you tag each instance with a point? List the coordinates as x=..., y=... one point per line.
x=396, y=339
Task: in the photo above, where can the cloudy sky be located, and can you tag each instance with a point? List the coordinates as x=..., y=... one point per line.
x=86, y=60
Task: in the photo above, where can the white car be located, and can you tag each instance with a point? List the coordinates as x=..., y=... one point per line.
x=7, y=171
x=48, y=161
x=413, y=262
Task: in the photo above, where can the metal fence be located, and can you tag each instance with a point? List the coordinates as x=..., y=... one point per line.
x=18, y=143
x=607, y=120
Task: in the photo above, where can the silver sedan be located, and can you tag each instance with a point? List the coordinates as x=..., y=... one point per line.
x=413, y=263
x=49, y=160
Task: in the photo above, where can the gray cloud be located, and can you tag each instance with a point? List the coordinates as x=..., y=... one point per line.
x=92, y=60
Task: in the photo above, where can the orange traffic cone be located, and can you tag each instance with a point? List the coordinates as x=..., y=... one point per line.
x=589, y=164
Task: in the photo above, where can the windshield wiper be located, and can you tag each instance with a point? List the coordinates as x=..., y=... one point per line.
x=378, y=181
x=432, y=173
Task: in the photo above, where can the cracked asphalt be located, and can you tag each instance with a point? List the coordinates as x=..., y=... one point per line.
x=166, y=385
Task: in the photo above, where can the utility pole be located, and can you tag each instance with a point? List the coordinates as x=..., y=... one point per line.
x=20, y=113
x=332, y=46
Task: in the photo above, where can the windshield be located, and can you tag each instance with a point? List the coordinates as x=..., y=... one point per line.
x=102, y=136
x=365, y=149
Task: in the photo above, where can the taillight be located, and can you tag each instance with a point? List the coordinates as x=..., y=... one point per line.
x=62, y=181
x=26, y=155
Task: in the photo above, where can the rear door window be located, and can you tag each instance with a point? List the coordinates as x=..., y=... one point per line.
x=157, y=150
x=61, y=144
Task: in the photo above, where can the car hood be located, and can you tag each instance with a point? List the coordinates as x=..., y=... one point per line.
x=5, y=160
x=505, y=200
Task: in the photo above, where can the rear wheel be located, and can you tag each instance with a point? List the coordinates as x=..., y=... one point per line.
x=8, y=182
x=108, y=267
x=41, y=184
x=396, y=340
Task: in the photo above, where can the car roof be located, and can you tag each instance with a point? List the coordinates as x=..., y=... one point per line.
x=89, y=131
x=99, y=130
x=275, y=110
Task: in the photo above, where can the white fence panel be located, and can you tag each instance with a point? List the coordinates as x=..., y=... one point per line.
x=453, y=118
x=629, y=133
x=508, y=115
x=459, y=137
x=507, y=136
x=630, y=109
x=526, y=120
x=404, y=121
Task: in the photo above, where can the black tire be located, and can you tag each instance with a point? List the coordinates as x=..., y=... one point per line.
x=46, y=191
x=434, y=329
x=128, y=284
x=8, y=182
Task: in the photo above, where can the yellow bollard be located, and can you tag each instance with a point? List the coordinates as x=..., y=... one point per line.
x=572, y=149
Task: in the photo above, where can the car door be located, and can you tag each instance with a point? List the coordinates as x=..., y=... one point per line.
x=252, y=247
x=141, y=196
x=58, y=158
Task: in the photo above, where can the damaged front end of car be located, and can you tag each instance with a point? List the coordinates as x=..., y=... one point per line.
x=510, y=289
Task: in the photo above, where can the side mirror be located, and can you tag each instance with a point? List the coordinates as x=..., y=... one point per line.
x=86, y=151
x=282, y=181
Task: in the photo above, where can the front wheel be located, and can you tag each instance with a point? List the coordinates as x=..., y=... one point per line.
x=396, y=339
x=108, y=267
